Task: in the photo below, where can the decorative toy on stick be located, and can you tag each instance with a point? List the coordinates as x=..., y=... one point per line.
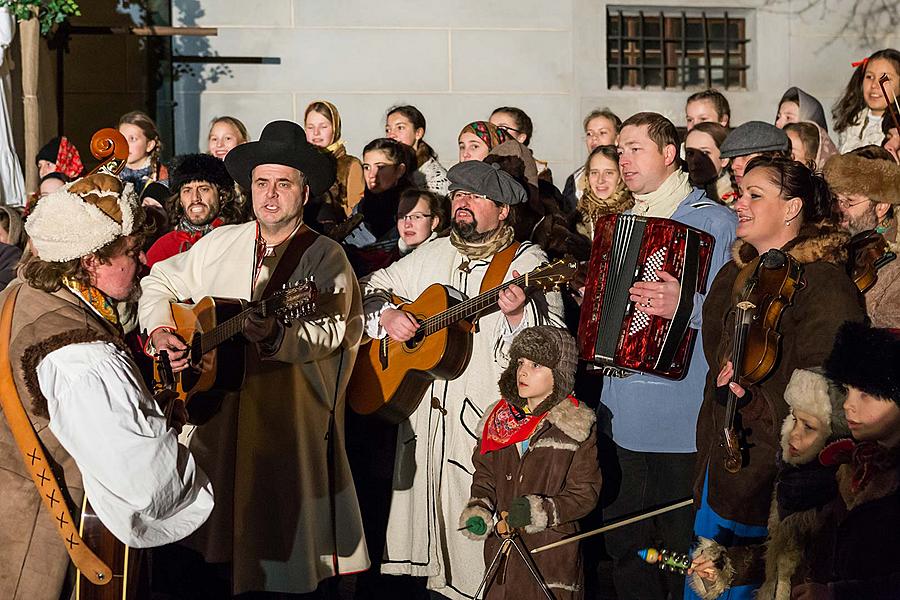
x=666, y=560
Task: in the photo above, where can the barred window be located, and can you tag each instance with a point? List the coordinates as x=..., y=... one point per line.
x=675, y=49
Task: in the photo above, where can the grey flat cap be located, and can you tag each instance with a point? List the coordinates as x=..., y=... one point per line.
x=753, y=137
x=487, y=180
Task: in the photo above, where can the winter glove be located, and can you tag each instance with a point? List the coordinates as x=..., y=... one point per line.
x=476, y=525
x=519, y=512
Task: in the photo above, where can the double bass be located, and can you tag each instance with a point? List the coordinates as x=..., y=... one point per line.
x=762, y=291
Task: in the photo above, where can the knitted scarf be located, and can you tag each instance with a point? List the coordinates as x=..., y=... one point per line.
x=494, y=242
x=593, y=207
x=663, y=201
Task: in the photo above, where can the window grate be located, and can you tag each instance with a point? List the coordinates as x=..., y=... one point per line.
x=669, y=49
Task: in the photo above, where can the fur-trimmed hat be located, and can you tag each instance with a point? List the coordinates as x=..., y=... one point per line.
x=810, y=391
x=866, y=358
x=83, y=216
x=876, y=179
x=199, y=167
x=551, y=347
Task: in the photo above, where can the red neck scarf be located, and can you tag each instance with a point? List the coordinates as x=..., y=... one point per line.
x=508, y=425
x=866, y=459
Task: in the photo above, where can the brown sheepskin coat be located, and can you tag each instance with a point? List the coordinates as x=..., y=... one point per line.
x=808, y=328
x=560, y=476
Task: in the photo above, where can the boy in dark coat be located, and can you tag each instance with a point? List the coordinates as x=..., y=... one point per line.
x=865, y=360
x=537, y=461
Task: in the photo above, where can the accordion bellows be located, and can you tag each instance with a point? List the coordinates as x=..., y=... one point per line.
x=613, y=332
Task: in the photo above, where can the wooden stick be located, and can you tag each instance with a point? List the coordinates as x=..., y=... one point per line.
x=616, y=525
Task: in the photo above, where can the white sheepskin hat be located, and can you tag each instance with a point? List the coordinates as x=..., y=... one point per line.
x=81, y=217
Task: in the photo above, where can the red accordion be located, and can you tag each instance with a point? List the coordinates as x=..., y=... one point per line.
x=614, y=333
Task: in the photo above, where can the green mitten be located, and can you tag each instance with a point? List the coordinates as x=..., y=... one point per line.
x=476, y=525
x=519, y=512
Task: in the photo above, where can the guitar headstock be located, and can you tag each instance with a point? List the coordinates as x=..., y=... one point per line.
x=295, y=300
x=552, y=275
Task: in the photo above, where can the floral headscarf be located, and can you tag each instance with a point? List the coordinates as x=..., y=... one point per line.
x=486, y=132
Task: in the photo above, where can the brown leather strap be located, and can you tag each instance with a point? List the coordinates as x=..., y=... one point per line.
x=301, y=241
x=496, y=271
x=94, y=569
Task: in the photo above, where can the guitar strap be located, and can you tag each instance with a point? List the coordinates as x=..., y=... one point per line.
x=301, y=241
x=498, y=267
x=32, y=451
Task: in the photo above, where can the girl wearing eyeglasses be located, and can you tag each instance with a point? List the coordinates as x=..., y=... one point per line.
x=421, y=217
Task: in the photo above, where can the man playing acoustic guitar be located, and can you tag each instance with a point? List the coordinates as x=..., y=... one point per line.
x=86, y=423
x=286, y=513
x=433, y=466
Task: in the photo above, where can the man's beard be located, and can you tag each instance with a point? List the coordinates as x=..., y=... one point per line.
x=864, y=222
x=469, y=229
x=199, y=221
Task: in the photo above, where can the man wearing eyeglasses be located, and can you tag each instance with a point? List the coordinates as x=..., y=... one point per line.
x=867, y=189
x=433, y=466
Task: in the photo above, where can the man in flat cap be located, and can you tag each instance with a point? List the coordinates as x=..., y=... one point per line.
x=287, y=515
x=433, y=465
x=81, y=399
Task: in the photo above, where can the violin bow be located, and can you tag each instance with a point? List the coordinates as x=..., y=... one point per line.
x=893, y=105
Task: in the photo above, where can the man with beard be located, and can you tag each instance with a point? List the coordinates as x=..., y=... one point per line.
x=202, y=199
x=433, y=464
x=102, y=432
x=866, y=183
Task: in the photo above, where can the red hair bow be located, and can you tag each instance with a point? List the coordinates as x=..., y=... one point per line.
x=859, y=63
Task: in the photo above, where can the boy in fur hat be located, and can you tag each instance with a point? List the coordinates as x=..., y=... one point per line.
x=537, y=460
x=865, y=360
x=803, y=504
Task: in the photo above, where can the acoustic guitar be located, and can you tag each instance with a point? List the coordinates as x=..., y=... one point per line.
x=216, y=354
x=390, y=377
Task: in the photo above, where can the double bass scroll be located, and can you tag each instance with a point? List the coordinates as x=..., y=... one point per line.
x=110, y=147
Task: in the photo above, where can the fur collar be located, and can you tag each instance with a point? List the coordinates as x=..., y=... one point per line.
x=574, y=421
x=881, y=485
x=816, y=242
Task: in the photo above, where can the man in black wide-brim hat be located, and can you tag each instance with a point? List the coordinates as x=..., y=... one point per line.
x=286, y=513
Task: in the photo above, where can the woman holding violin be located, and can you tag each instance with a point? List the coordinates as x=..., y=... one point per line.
x=774, y=308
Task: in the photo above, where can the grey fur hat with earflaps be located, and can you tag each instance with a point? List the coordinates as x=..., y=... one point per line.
x=551, y=347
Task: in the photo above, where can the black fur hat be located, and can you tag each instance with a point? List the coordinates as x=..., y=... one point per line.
x=551, y=347
x=199, y=167
x=868, y=359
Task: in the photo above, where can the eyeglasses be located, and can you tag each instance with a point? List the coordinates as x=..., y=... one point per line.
x=414, y=217
x=845, y=203
x=507, y=128
x=460, y=194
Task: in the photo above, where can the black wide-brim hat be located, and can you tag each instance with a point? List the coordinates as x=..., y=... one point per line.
x=283, y=143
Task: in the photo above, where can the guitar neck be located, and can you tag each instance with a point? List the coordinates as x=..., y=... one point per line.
x=470, y=307
x=226, y=330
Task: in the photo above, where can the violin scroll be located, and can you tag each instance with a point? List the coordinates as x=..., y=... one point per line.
x=111, y=148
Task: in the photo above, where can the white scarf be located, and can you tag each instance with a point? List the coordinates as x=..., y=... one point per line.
x=663, y=201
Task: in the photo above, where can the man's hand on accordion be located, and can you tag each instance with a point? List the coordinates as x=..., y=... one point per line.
x=658, y=298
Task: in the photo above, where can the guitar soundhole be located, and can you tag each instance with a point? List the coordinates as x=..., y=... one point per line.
x=414, y=341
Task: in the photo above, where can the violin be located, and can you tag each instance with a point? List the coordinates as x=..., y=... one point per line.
x=110, y=147
x=869, y=252
x=762, y=291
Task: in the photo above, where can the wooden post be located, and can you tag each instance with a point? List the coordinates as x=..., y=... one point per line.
x=30, y=39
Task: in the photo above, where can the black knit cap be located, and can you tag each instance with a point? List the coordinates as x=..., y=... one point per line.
x=199, y=167
x=868, y=359
x=49, y=151
x=551, y=347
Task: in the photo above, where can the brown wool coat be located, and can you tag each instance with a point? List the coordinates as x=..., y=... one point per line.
x=33, y=558
x=560, y=476
x=883, y=298
x=808, y=328
x=349, y=185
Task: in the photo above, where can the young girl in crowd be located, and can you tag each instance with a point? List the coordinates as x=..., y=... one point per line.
x=796, y=105
x=810, y=144
x=604, y=192
x=519, y=126
x=859, y=112
x=535, y=466
x=224, y=134
x=407, y=124
x=144, y=147
x=477, y=138
x=705, y=107
x=323, y=129
x=705, y=164
x=601, y=128
x=804, y=504
x=421, y=217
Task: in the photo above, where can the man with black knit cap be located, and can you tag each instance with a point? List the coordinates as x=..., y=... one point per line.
x=202, y=199
x=433, y=465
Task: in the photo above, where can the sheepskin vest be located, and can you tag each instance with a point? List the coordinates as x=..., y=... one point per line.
x=33, y=558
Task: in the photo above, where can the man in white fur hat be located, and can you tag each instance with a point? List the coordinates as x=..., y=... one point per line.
x=102, y=432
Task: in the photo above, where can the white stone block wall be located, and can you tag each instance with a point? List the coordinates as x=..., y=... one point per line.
x=456, y=60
